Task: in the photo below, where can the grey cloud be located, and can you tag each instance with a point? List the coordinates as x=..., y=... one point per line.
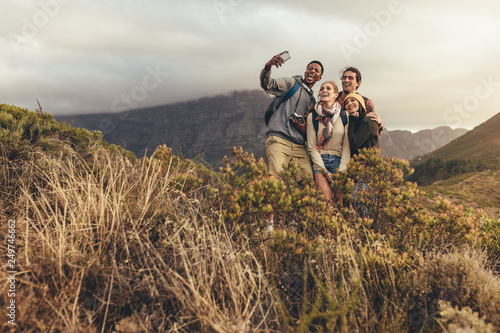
x=417, y=63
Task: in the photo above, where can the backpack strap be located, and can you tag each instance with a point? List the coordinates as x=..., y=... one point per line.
x=315, y=121
x=276, y=103
x=290, y=92
x=343, y=115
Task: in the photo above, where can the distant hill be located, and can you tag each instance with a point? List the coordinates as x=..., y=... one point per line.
x=207, y=126
x=476, y=150
x=212, y=126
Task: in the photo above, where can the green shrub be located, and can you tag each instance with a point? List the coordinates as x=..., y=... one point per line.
x=250, y=194
x=6, y=120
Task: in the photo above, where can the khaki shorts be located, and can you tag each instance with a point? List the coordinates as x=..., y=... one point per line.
x=281, y=152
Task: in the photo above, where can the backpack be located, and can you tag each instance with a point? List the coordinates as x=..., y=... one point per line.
x=343, y=115
x=275, y=104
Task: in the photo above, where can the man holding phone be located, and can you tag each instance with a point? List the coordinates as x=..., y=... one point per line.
x=284, y=142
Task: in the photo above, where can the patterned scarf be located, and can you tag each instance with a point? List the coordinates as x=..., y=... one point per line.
x=328, y=118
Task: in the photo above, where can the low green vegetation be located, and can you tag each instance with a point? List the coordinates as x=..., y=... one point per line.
x=23, y=132
x=107, y=242
x=434, y=168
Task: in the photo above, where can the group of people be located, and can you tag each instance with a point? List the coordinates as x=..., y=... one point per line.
x=320, y=135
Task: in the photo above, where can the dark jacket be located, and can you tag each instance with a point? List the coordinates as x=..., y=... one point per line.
x=363, y=133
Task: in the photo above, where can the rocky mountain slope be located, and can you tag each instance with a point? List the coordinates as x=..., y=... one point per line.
x=212, y=126
x=408, y=145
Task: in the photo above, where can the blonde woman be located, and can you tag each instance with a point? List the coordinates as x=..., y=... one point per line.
x=327, y=139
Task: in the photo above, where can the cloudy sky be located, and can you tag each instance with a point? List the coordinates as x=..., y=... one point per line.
x=424, y=63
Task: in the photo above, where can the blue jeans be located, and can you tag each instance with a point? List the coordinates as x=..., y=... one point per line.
x=332, y=163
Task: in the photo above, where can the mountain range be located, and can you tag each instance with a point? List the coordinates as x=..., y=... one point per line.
x=210, y=127
x=475, y=151
x=465, y=171
x=479, y=144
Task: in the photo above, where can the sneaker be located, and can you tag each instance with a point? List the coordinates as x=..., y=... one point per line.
x=270, y=227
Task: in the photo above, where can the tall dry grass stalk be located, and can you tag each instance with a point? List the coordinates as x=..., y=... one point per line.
x=216, y=281
x=105, y=239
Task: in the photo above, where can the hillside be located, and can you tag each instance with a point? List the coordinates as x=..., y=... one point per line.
x=212, y=126
x=476, y=150
x=96, y=240
x=474, y=189
x=481, y=143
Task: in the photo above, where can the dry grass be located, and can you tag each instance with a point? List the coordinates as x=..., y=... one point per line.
x=102, y=240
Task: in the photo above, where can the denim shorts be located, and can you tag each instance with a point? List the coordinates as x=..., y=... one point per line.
x=332, y=163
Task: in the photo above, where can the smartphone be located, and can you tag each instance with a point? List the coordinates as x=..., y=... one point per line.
x=285, y=56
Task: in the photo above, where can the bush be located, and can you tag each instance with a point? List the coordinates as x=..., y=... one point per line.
x=459, y=279
x=251, y=194
x=457, y=320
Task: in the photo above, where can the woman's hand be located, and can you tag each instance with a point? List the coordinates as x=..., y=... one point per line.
x=328, y=177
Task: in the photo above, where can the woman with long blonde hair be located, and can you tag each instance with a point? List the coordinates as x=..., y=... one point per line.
x=327, y=140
